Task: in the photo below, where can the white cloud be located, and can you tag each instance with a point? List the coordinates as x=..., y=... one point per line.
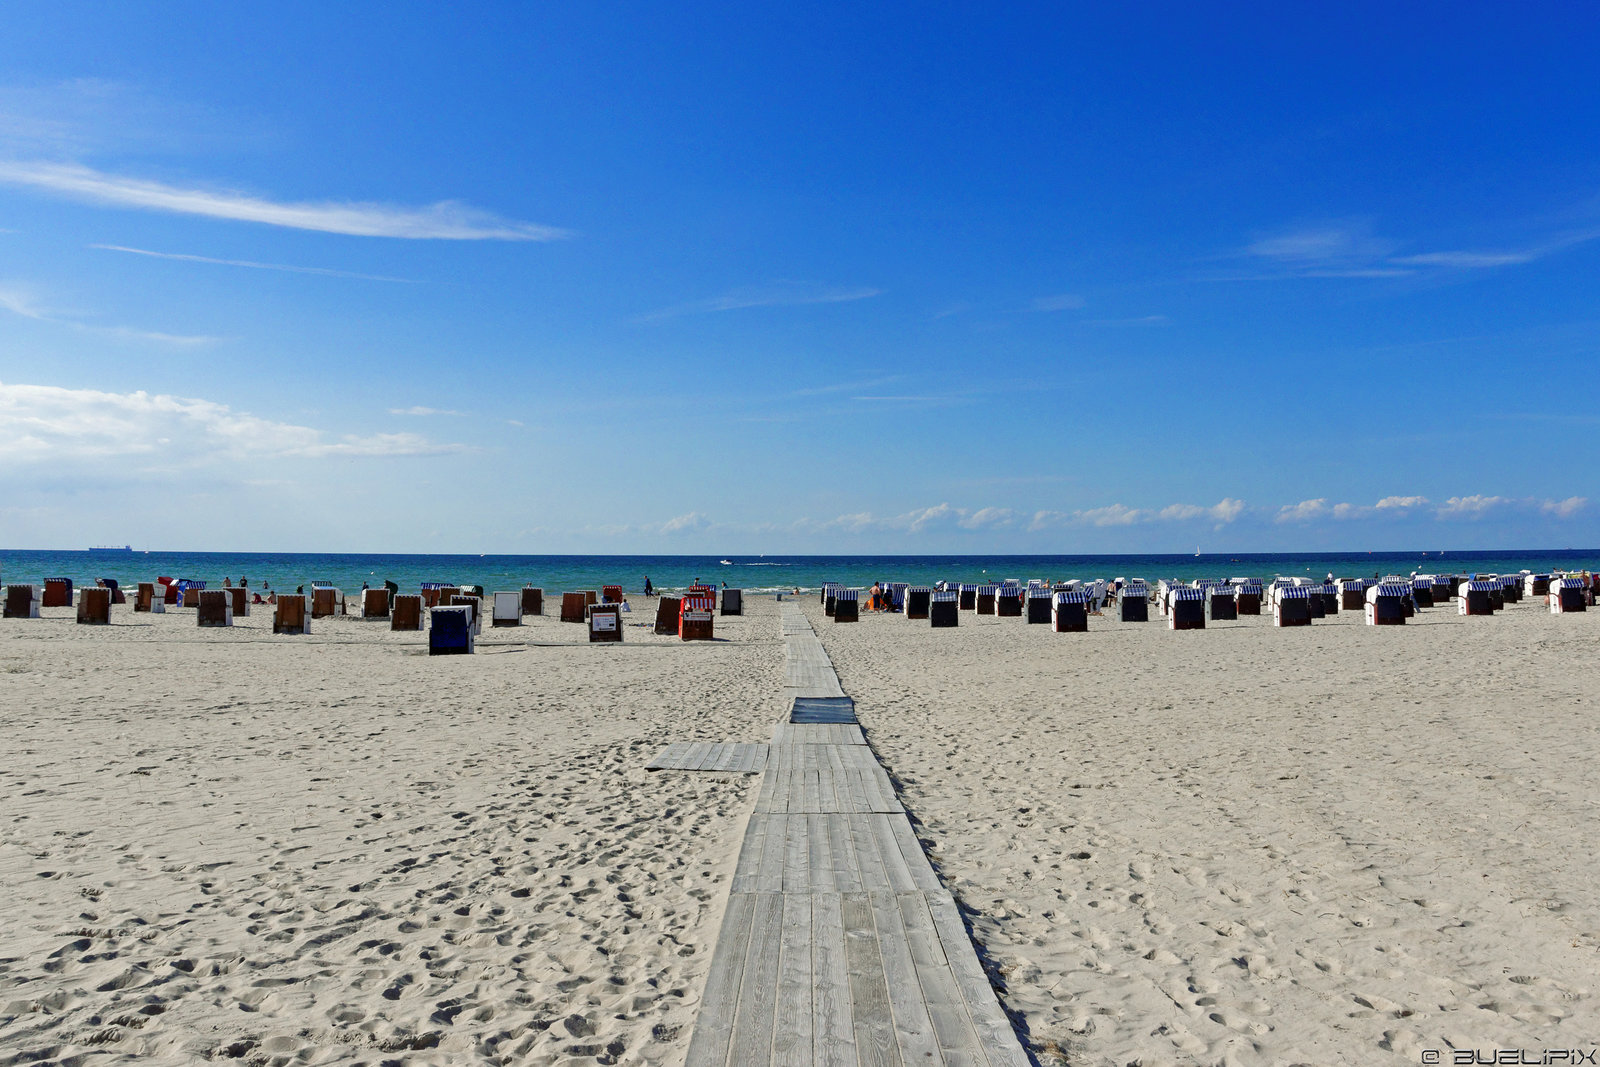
x=917, y=521
x=1329, y=246
x=1059, y=302
x=689, y=521
x=445, y=220
x=1471, y=507
x=420, y=410
x=1113, y=515
x=48, y=424
x=1400, y=502
x=23, y=303
x=1564, y=509
x=186, y=258
x=987, y=517
x=778, y=294
x=1304, y=511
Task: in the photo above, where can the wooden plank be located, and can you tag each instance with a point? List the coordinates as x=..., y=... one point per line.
x=998, y=1039
x=896, y=870
x=951, y=1025
x=796, y=855
x=668, y=758
x=758, y=991
x=913, y=1029
x=868, y=855
x=841, y=846
x=792, y=1027
x=713, y=1023
x=871, y=1022
x=769, y=869
x=819, y=858
x=834, y=1030
x=750, y=851
x=923, y=875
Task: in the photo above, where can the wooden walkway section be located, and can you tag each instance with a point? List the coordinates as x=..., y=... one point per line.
x=839, y=947
x=710, y=756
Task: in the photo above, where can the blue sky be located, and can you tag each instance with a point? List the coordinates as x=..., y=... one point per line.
x=916, y=279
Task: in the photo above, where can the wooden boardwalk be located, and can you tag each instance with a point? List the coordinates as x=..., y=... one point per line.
x=839, y=947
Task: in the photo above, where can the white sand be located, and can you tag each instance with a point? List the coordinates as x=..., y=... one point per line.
x=1337, y=844
x=221, y=843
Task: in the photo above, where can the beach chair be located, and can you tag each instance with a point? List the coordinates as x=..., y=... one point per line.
x=590, y=599
x=1567, y=595
x=611, y=594
x=1220, y=603
x=1039, y=606
x=983, y=600
x=1133, y=604
x=668, y=608
x=605, y=623
x=240, y=598
x=897, y=595
x=1536, y=585
x=326, y=601
x=406, y=612
x=1008, y=602
x=1247, y=599
x=846, y=605
x=117, y=596
x=213, y=607
x=1474, y=598
x=969, y=596
x=474, y=606
x=944, y=608
x=1186, y=609
x=450, y=630
x=1352, y=593
x=572, y=607
x=917, y=600
x=189, y=592
x=733, y=602
x=374, y=604
x=532, y=600
x=507, y=609
x=696, y=614
x=429, y=591
x=1291, y=605
x=22, y=602
x=94, y=606
x=289, y=615
x=146, y=599
x=1069, y=613
x=830, y=599
x=1421, y=592
x=1444, y=588
x=57, y=593
x=1385, y=604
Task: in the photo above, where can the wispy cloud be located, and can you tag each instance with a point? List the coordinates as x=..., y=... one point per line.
x=49, y=424
x=1058, y=302
x=1349, y=249
x=24, y=304
x=187, y=258
x=425, y=411
x=778, y=294
x=446, y=220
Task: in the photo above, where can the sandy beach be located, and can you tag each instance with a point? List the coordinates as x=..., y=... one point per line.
x=218, y=844
x=1337, y=844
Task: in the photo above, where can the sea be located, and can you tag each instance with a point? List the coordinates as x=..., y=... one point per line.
x=754, y=574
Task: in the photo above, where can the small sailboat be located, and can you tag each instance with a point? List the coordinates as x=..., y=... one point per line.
x=726, y=562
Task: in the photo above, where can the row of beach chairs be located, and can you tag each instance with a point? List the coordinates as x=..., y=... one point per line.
x=1188, y=605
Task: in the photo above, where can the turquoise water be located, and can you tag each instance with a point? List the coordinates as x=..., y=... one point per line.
x=755, y=574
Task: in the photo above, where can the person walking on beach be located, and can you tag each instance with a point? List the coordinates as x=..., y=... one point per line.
x=649, y=590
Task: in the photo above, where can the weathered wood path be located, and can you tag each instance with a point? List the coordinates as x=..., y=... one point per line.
x=839, y=945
